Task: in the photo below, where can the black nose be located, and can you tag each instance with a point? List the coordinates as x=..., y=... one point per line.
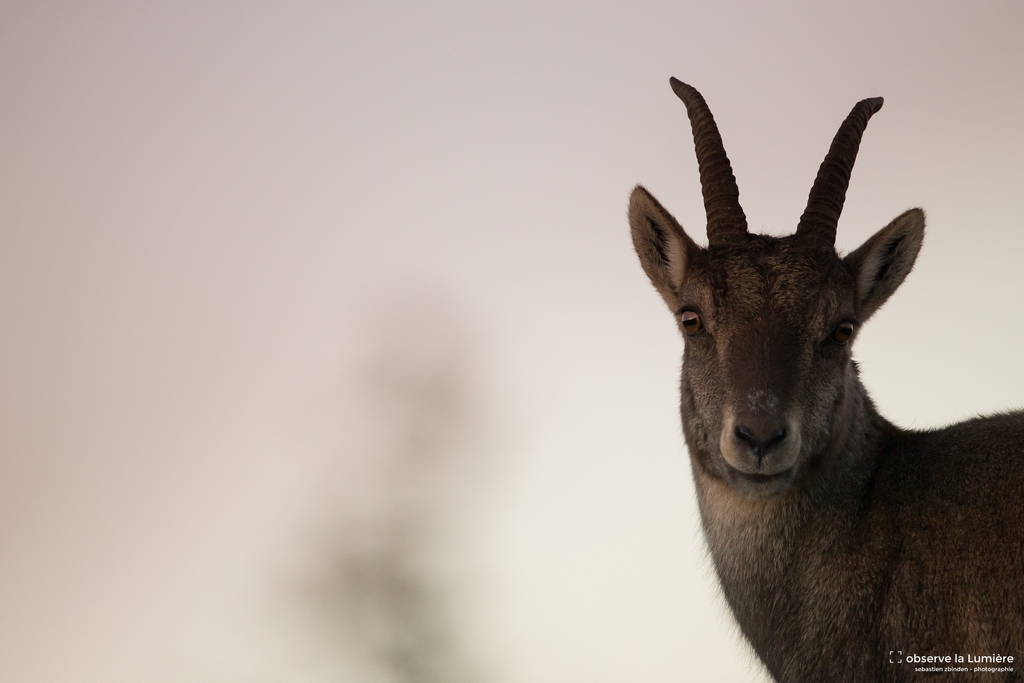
x=760, y=435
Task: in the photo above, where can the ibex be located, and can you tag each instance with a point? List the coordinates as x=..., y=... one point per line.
x=847, y=548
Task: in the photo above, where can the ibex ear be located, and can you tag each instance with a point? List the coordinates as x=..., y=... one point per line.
x=664, y=248
x=884, y=261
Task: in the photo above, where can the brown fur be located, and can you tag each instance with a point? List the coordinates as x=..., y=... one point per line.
x=837, y=537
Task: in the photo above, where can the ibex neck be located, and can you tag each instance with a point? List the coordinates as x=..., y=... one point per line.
x=762, y=547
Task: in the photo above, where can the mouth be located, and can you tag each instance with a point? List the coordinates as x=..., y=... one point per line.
x=762, y=484
x=764, y=478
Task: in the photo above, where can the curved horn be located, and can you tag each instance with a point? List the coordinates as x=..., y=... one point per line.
x=726, y=220
x=825, y=202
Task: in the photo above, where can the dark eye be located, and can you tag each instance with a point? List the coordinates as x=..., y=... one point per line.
x=691, y=322
x=843, y=333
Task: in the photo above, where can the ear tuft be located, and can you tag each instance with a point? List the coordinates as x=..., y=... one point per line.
x=882, y=263
x=661, y=243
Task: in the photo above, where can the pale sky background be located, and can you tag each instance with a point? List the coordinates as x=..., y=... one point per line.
x=216, y=219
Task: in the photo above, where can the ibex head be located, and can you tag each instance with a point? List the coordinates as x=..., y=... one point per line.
x=769, y=322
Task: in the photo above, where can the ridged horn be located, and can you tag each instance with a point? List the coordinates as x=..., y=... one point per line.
x=825, y=202
x=726, y=220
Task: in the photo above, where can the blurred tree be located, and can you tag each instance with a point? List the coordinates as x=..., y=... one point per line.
x=378, y=594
